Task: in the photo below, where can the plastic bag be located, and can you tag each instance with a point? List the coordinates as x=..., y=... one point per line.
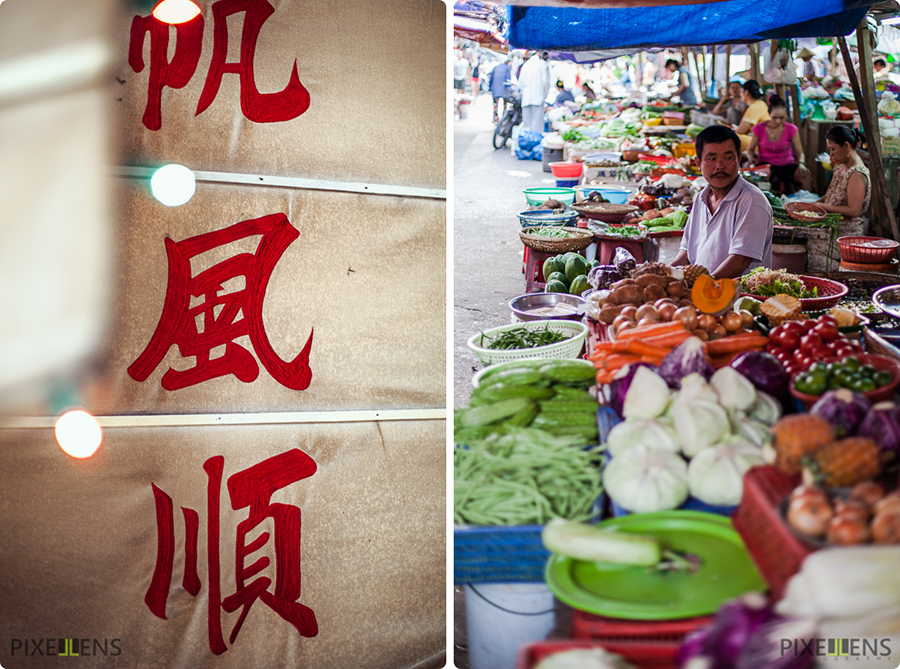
x=624, y=261
x=781, y=69
x=530, y=139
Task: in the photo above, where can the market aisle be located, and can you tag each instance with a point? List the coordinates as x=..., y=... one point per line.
x=487, y=251
x=487, y=265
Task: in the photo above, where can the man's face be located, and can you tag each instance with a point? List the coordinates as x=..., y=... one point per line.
x=735, y=89
x=719, y=164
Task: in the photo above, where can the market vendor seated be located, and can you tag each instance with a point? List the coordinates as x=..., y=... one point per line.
x=777, y=144
x=731, y=106
x=757, y=111
x=850, y=189
x=729, y=231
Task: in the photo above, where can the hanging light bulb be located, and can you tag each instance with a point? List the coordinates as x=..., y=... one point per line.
x=173, y=185
x=78, y=434
x=175, y=11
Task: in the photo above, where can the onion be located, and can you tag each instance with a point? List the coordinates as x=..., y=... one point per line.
x=810, y=513
x=706, y=322
x=667, y=311
x=848, y=531
x=687, y=315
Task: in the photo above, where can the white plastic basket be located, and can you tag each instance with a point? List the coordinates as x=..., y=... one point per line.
x=575, y=331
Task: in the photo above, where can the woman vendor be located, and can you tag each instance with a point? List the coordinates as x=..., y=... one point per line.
x=757, y=111
x=850, y=188
x=778, y=145
x=731, y=105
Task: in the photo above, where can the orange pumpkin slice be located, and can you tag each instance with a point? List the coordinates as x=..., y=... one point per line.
x=713, y=296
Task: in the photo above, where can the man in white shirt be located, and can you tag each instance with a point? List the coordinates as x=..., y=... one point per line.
x=729, y=231
x=534, y=83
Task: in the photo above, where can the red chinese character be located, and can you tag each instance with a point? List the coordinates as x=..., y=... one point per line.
x=175, y=73
x=178, y=322
x=252, y=487
x=258, y=107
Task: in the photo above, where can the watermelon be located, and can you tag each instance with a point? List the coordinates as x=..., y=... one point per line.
x=556, y=287
x=576, y=266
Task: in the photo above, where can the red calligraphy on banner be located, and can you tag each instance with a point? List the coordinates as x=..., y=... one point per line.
x=287, y=104
x=253, y=488
x=224, y=316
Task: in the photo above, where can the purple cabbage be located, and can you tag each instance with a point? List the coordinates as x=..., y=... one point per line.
x=844, y=409
x=686, y=358
x=719, y=645
x=621, y=382
x=780, y=643
x=882, y=424
x=764, y=371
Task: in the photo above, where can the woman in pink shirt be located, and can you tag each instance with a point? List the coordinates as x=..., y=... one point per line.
x=778, y=145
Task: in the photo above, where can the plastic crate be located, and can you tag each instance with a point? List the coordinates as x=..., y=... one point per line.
x=641, y=655
x=589, y=626
x=776, y=550
x=499, y=554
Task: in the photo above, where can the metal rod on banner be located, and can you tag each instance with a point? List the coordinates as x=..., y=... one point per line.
x=869, y=121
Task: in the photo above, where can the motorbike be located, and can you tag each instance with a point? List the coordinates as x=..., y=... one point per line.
x=512, y=117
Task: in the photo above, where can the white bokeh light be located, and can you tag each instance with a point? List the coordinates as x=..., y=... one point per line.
x=173, y=185
x=175, y=11
x=78, y=433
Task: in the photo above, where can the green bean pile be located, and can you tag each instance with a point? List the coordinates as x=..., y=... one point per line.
x=523, y=337
x=551, y=231
x=525, y=477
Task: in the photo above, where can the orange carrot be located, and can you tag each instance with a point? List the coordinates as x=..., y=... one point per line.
x=670, y=340
x=642, y=347
x=617, y=360
x=735, y=343
x=651, y=330
x=652, y=359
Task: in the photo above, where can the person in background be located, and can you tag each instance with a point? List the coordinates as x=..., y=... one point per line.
x=850, y=189
x=729, y=230
x=757, y=112
x=731, y=106
x=588, y=92
x=460, y=72
x=476, y=76
x=534, y=82
x=778, y=144
x=809, y=68
x=499, y=85
x=880, y=68
x=685, y=81
x=648, y=73
x=562, y=95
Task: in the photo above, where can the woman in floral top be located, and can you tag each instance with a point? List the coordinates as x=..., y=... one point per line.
x=850, y=188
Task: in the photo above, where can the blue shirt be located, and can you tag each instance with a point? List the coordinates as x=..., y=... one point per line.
x=499, y=76
x=564, y=96
x=688, y=96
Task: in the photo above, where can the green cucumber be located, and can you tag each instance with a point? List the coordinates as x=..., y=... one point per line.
x=592, y=543
x=492, y=413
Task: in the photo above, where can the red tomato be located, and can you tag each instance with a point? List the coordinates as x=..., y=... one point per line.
x=821, y=352
x=772, y=347
x=795, y=326
x=827, y=331
x=843, y=351
x=792, y=369
x=784, y=357
x=808, y=325
x=827, y=318
x=810, y=341
x=789, y=340
x=775, y=332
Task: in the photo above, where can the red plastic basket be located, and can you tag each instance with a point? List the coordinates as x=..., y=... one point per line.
x=881, y=251
x=643, y=656
x=776, y=550
x=829, y=293
x=589, y=626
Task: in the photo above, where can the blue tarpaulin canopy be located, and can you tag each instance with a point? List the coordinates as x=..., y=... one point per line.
x=705, y=23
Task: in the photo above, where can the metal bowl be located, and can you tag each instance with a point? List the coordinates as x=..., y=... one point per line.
x=540, y=306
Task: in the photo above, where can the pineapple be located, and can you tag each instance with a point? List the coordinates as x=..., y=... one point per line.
x=843, y=463
x=691, y=272
x=796, y=436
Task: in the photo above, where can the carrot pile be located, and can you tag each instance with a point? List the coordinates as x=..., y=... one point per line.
x=652, y=343
x=649, y=343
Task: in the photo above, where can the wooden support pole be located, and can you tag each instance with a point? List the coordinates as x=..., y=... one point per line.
x=712, y=75
x=754, y=62
x=869, y=120
x=727, y=65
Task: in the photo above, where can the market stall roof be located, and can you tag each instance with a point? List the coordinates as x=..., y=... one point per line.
x=693, y=24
